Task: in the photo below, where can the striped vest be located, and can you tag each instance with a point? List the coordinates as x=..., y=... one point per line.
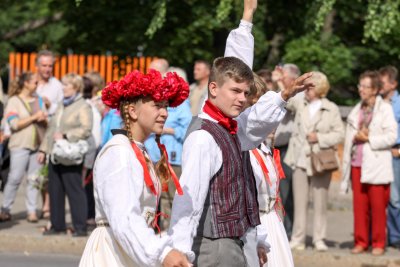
x=231, y=205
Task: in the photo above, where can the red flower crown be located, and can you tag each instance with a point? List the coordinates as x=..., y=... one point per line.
x=171, y=88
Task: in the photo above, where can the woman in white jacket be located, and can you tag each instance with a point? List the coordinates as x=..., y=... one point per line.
x=370, y=133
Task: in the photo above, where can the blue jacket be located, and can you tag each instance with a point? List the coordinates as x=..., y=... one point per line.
x=396, y=109
x=112, y=120
x=179, y=119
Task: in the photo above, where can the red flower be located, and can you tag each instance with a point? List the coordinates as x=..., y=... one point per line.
x=172, y=88
x=110, y=95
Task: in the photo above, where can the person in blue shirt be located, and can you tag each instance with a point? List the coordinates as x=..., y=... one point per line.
x=111, y=120
x=173, y=135
x=389, y=93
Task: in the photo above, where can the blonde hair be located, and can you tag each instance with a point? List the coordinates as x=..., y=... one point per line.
x=161, y=168
x=321, y=83
x=75, y=80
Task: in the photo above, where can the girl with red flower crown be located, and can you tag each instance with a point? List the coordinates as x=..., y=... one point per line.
x=127, y=186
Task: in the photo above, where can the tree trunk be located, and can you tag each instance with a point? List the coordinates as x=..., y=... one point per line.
x=31, y=25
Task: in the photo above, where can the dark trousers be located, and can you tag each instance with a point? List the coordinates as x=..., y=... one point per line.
x=286, y=192
x=67, y=180
x=90, y=194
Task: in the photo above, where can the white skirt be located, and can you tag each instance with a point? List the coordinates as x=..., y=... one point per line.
x=280, y=254
x=102, y=250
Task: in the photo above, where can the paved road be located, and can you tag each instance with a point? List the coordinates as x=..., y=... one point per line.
x=38, y=260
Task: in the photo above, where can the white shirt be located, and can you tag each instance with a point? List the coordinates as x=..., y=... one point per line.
x=313, y=107
x=53, y=91
x=122, y=199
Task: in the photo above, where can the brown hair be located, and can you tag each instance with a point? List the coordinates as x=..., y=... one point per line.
x=97, y=80
x=18, y=83
x=265, y=74
x=389, y=71
x=201, y=61
x=375, y=80
x=161, y=168
x=230, y=67
x=257, y=89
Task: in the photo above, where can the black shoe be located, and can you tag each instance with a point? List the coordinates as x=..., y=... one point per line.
x=395, y=244
x=79, y=234
x=54, y=232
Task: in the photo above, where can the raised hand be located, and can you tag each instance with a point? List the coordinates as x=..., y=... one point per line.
x=299, y=85
x=250, y=7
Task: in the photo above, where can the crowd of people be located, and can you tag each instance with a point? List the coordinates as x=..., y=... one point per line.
x=223, y=167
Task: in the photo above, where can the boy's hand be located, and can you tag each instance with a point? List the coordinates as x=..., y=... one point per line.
x=300, y=84
x=250, y=7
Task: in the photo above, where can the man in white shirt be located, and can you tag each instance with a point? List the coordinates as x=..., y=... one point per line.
x=217, y=208
x=49, y=87
x=199, y=89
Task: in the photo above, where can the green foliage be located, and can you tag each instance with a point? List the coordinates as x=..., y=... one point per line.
x=223, y=10
x=339, y=37
x=325, y=6
x=331, y=57
x=381, y=19
x=158, y=20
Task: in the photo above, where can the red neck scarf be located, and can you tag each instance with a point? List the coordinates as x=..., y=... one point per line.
x=171, y=172
x=277, y=160
x=147, y=178
x=215, y=113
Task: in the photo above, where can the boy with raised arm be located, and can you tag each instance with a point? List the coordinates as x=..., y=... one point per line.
x=219, y=205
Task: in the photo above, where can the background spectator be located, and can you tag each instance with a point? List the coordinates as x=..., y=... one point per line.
x=388, y=76
x=199, y=90
x=94, y=140
x=284, y=77
x=27, y=117
x=49, y=87
x=74, y=117
x=317, y=126
x=371, y=132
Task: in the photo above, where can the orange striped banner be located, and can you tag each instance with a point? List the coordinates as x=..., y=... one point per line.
x=110, y=67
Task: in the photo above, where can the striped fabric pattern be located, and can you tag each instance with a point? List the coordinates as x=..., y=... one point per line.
x=11, y=115
x=232, y=194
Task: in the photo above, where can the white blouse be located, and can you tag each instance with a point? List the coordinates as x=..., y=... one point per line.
x=127, y=204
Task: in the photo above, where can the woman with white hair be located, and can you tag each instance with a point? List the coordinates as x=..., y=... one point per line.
x=318, y=126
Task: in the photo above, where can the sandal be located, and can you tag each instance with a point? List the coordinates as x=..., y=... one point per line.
x=45, y=214
x=5, y=216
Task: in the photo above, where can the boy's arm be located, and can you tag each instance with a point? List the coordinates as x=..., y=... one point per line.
x=240, y=42
x=201, y=159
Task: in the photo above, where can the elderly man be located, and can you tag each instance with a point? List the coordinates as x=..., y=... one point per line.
x=284, y=76
x=49, y=87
